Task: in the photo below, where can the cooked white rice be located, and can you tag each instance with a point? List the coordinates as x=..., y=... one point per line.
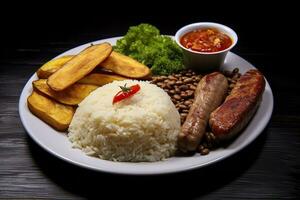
x=143, y=127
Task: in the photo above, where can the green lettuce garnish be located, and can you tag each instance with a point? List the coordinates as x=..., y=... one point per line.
x=145, y=44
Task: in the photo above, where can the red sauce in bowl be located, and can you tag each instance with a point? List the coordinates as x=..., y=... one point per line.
x=206, y=40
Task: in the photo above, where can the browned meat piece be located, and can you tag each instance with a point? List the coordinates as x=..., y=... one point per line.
x=209, y=94
x=234, y=114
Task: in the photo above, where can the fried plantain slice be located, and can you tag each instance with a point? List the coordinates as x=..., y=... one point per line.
x=125, y=66
x=100, y=79
x=52, y=66
x=57, y=115
x=79, y=66
x=73, y=95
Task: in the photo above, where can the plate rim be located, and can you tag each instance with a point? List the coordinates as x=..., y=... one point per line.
x=124, y=172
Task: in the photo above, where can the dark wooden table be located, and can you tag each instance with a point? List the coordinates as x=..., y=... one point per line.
x=269, y=168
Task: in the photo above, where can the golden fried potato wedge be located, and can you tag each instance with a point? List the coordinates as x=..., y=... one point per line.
x=125, y=66
x=52, y=66
x=79, y=66
x=100, y=79
x=73, y=95
x=57, y=115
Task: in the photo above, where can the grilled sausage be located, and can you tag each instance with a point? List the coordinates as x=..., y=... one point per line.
x=234, y=114
x=209, y=94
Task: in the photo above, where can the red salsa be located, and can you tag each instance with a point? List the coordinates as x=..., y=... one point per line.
x=206, y=40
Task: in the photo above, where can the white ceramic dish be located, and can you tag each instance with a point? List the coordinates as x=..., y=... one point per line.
x=205, y=61
x=58, y=144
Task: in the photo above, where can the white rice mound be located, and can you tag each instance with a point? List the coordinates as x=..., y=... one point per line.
x=143, y=127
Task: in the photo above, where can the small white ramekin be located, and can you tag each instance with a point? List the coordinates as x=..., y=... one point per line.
x=205, y=61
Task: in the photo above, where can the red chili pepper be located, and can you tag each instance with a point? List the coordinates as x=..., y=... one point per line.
x=126, y=92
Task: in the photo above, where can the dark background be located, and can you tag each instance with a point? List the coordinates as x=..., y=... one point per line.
x=33, y=34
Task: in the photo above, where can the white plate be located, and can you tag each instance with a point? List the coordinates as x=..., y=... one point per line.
x=58, y=144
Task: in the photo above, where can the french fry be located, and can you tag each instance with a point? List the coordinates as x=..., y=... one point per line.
x=100, y=79
x=125, y=66
x=79, y=66
x=73, y=95
x=52, y=66
x=57, y=115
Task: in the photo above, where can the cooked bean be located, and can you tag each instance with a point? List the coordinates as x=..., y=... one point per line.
x=188, y=80
x=178, y=82
x=192, y=87
x=190, y=93
x=182, y=106
x=187, y=102
x=198, y=78
x=172, y=82
x=212, y=136
x=183, y=114
x=172, y=91
x=158, y=78
x=195, y=84
x=174, y=100
x=183, y=87
x=188, y=74
x=172, y=77
x=177, y=97
x=177, y=90
x=169, y=86
x=154, y=80
x=204, y=151
x=183, y=95
x=160, y=84
x=185, y=111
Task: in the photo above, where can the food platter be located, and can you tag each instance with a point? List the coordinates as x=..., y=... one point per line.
x=58, y=144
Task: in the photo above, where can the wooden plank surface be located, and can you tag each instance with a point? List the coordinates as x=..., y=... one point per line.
x=268, y=168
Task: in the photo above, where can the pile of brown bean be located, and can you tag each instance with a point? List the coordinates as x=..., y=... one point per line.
x=232, y=77
x=208, y=143
x=181, y=88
